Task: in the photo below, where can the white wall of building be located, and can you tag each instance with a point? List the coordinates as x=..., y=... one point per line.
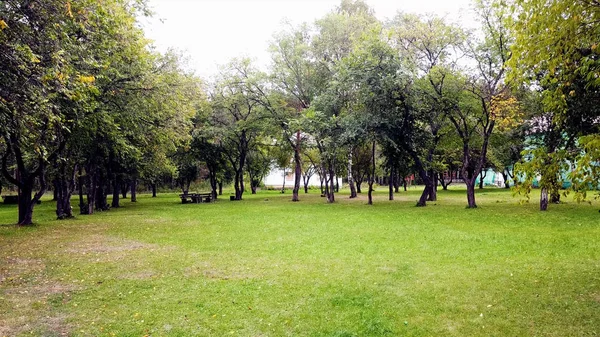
x=275, y=179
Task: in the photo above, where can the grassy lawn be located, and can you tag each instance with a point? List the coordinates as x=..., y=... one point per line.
x=269, y=267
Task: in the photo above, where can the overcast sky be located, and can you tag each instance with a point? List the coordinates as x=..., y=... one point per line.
x=211, y=32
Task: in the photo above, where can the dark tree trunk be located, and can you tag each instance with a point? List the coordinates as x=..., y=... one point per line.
x=134, y=183
x=101, y=200
x=24, y=179
x=65, y=188
x=153, y=185
x=283, y=185
x=305, y=181
x=331, y=194
x=55, y=188
x=124, y=189
x=358, y=190
x=396, y=182
x=506, y=180
x=236, y=186
x=83, y=207
x=116, y=192
x=404, y=184
x=353, y=193
x=391, y=185
x=91, y=190
x=544, y=199
x=443, y=181
x=253, y=188
x=433, y=190
x=372, y=174
x=470, y=182
x=220, y=187
x=212, y=174
x=298, y=169
x=482, y=176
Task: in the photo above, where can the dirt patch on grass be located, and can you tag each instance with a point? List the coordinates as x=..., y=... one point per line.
x=218, y=274
x=30, y=309
x=107, y=244
x=13, y=269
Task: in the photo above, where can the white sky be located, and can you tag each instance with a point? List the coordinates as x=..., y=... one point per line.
x=211, y=32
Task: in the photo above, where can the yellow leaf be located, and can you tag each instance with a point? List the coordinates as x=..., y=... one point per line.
x=86, y=79
x=69, y=12
x=3, y=25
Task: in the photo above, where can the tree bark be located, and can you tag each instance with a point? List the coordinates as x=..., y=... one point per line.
x=391, y=185
x=471, y=193
x=353, y=193
x=65, y=187
x=116, y=192
x=482, y=176
x=24, y=179
x=506, y=181
x=331, y=194
x=544, y=199
x=153, y=185
x=134, y=183
x=298, y=168
x=124, y=189
x=283, y=185
x=433, y=190
x=372, y=175
x=220, y=187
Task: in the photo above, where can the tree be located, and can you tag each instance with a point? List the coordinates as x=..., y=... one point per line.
x=38, y=74
x=238, y=117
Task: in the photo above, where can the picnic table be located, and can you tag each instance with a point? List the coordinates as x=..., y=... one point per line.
x=195, y=198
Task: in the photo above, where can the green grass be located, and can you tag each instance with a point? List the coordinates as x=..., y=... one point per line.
x=269, y=267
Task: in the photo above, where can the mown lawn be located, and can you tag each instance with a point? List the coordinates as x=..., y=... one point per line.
x=269, y=267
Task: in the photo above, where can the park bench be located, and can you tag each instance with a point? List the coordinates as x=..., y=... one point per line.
x=11, y=199
x=196, y=198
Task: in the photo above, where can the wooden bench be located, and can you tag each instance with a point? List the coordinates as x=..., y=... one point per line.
x=196, y=198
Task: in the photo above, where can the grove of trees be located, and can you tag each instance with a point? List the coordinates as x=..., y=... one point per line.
x=88, y=107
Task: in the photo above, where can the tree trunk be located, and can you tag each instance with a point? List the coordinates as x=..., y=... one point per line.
x=482, y=176
x=443, y=181
x=124, y=189
x=65, y=188
x=283, y=186
x=134, y=183
x=305, y=180
x=358, y=190
x=331, y=194
x=404, y=184
x=55, y=188
x=220, y=187
x=91, y=182
x=101, y=200
x=353, y=193
x=237, y=187
x=153, y=185
x=391, y=185
x=544, y=199
x=213, y=183
x=471, y=193
x=506, y=180
x=116, y=192
x=433, y=190
x=298, y=168
x=372, y=175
